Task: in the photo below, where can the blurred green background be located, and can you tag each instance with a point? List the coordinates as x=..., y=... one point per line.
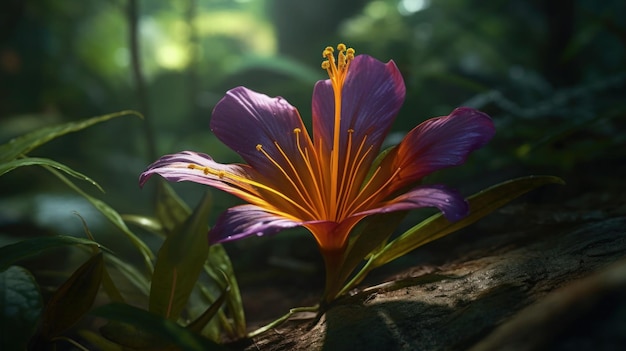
x=551, y=74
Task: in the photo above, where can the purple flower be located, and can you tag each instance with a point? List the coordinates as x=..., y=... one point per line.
x=327, y=181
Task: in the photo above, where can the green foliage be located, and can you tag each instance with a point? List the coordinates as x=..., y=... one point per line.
x=551, y=76
x=378, y=252
x=32, y=161
x=113, y=216
x=72, y=299
x=144, y=330
x=179, y=263
x=481, y=204
x=20, y=307
x=167, y=288
x=26, y=143
x=219, y=262
x=10, y=254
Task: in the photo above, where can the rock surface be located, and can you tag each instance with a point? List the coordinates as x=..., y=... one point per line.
x=551, y=276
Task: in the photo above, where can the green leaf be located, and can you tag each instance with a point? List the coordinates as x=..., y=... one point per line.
x=199, y=323
x=110, y=287
x=12, y=253
x=179, y=263
x=130, y=337
x=157, y=326
x=72, y=299
x=148, y=224
x=134, y=276
x=30, y=161
x=26, y=143
x=170, y=210
x=113, y=216
x=220, y=269
x=370, y=234
x=98, y=341
x=20, y=306
x=481, y=204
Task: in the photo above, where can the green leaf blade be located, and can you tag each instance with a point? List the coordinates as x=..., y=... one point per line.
x=36, y=161
x=170, y=210
x=220, y=268
x=179, y=263
x=156, y=326
x=20, y=250
x=73, y=298
x=26, y=143
x=113, y=216
x=481, y=204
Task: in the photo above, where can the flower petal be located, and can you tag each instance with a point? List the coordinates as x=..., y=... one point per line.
x=372, y=95
x=436, y=144
x=175, y=168
x=448, y=201
x=332, y=235
x=245, y=119
x=246, y=220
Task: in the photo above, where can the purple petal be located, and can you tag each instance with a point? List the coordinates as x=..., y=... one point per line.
x=372, y=95
x=246, y=220
x=244, y=119
x=448, y=201
x=436, y=144
x=175, y=168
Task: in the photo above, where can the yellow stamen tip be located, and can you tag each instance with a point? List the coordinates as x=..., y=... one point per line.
x=337, y=68
x=297, y=130
x=259, y=147
x=350, y=54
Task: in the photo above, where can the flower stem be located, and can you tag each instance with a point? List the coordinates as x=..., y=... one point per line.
x=357, y=277
x=333, y=259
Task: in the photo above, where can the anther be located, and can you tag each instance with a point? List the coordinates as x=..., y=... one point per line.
x=259, y=147
x=297, y=130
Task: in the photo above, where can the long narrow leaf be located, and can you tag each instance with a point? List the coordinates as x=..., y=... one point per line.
x=107, y=282
x=31, y=161
x=157, y=326
x=134, y=276
x=170, y=210
x=26, y=143
x=112, y=216
x=481, y=204
x=21, y=250
x=219, y=269
x=179, y=263
x=199, y=323
x=148, y=224
x=72, y=299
